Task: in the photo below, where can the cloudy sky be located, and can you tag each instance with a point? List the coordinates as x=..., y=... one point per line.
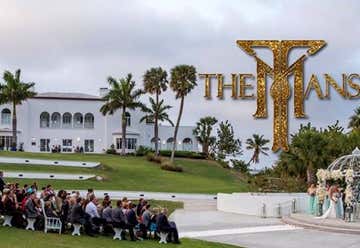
x=74, y=45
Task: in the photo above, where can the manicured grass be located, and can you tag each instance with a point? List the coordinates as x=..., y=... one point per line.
x=19, y=238
x=135, y=174
x=170, y=205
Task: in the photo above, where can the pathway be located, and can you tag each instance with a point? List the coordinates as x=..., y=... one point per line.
x=154, y=195
x=200, y=220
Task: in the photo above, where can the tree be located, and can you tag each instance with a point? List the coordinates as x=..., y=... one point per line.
x=311, y=148
x=183, y=80
x=202, y=132
x=15, y=91
x=355, y=119
x=226, y=143
x=155, y=82
x=240, y=165
x=257, y=144
x=123, y=96
x=157, y=110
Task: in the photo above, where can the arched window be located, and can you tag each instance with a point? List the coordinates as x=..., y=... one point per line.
x=78, y=120
x=66, y=120
x=187, y=144
x=5, y=116
x=128, y=119
x=89, y=120
x=44, y=119
x=169, y=143
x=153, y=143
x=55, y=120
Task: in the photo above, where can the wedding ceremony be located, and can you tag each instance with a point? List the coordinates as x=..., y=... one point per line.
x=195, y=124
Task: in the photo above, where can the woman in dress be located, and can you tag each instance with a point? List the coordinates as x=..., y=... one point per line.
x=331, y=212
x=327, y=198
x=312, y=202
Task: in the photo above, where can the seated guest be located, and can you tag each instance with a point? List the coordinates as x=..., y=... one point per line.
x=49, y=211
x=78, y=216
x=11, y=207
x=89, y=193
x=133, y=222
x=34, y=187
x=65, y=212
x=106, y=214
x=118, y=216
x=146, y=216
x=91, y=209
x=164, y=225
x=9, y=203
x=31, y=210
x=140, y=206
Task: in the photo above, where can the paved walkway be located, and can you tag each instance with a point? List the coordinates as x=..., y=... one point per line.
x=153, y=195
x=202, y=221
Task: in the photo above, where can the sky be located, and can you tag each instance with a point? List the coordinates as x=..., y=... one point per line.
x=73, y=46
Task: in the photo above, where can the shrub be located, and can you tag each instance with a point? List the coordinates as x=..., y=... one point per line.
x=184, y=154
x=168, y=166
x=150, y=156
x=240, y=165
x=142, y=151
x=111, y=150
x=223, y=164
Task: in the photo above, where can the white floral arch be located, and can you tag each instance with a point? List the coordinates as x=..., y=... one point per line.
x=346, y=167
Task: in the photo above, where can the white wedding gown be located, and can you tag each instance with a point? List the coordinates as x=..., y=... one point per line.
x=330, y=213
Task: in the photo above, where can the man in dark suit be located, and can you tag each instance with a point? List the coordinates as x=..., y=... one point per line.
x=131, y=220
x=164, y=225
x=78, y=216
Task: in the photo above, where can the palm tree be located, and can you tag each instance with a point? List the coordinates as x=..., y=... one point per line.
x=157, y=110
x=15, y=91
x=155, y=82
x=183, y=80
x=203, y=131
x=123, y=96
x=355, y=119
x=258, y=145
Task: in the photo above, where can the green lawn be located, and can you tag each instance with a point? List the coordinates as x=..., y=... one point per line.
x=135, y=174
x=19, y=238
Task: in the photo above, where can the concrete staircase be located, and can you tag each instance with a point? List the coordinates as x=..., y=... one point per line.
x=329, y=225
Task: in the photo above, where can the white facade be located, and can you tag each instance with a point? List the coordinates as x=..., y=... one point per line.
x=71, y=121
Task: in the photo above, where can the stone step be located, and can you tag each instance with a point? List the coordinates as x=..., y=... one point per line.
x=323, y=227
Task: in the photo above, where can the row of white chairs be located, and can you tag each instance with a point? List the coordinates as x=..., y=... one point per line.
x=55, y=224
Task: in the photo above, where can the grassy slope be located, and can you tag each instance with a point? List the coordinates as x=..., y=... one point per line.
x=136, y=174
x=18, y=238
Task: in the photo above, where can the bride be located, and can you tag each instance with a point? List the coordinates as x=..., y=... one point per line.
x=331, y=212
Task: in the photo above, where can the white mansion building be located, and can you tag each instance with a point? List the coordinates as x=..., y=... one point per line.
x=74, y=120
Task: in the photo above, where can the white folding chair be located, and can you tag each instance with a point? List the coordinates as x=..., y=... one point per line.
x=163, y=237
x=118, y=232
x=51, y=223
x=7, y=220
x=76, y=229
x=30, y=224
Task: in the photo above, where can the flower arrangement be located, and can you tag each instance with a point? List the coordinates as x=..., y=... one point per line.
x=323, y=175
x=321, y=193
x=349, y=196
x=349, y=176
x=336, y=174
